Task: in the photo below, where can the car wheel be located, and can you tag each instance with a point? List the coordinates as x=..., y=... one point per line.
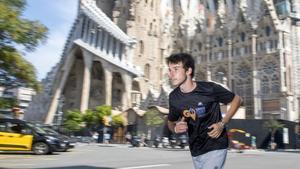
x=40, y=148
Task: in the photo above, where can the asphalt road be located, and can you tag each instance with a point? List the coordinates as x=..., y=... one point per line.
x=124, y=157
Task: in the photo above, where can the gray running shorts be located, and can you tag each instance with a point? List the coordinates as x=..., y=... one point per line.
x=210, y=160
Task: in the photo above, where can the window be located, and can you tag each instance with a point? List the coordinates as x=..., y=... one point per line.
x=220, y=41
x=141, y=44
x=268, y=30
x=2, y=127
x=147, y=71
x=199, y=46
x=114, y=46
x=243, y=36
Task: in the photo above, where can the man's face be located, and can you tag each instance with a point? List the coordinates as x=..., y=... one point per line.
x=177, y=73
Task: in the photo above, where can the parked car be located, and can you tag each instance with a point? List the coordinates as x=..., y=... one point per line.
x=19, y=135
x=70, y=142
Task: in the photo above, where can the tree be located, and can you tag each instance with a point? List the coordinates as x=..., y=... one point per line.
x=153, y=119
x=118, y=121
x=273, y=126
x=6, y=103
x=102, y=112
x=16, y=66
x=15, y=30
x=90, y=118
x=73, y=120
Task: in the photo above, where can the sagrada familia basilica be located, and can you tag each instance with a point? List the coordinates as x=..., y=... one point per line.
x=115, y=55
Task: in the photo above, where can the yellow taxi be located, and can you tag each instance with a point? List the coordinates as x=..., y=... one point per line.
x=19, y=135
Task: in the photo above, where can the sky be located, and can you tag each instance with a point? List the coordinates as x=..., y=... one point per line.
x=58, y=16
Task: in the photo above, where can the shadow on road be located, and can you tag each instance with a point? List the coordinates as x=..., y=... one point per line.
x=74, y=167
x=24, y=153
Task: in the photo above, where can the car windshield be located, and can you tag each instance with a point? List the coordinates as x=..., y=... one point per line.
x=37, y=128
x=50, y=131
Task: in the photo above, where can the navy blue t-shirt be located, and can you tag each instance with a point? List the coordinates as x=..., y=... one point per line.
x=201, y=108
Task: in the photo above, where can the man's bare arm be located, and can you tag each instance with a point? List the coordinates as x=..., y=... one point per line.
x=218, y=127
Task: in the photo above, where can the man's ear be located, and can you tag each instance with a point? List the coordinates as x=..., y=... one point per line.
x=189, y=71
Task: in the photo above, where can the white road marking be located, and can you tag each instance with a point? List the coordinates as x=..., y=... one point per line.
x=146, y=166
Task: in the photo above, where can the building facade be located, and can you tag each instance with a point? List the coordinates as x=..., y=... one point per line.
x=116, y=52
x=252, y=46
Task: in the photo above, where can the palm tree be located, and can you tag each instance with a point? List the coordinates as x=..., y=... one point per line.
x=273, y=125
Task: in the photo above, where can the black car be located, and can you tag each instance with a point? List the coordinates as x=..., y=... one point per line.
x=19, y=135
x=70, y=142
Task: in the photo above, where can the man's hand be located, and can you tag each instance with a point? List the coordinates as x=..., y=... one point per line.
x=217, y=130
x=181, y=126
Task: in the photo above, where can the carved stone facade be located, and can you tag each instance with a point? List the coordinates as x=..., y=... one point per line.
x=253, y=45
x=250, y=45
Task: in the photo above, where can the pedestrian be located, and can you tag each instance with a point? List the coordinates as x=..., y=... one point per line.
x=128, y=137
x=194, y=107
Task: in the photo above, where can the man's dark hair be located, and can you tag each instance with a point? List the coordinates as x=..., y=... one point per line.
x=186, y=59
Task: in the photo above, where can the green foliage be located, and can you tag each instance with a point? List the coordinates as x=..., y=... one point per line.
x=153, y=118
x=7, y=103
x=273, y=125
x=90, y=118
x=17, y=30
x=102, y=111
x=73, y=120
x=19, y=67
x=118, y=120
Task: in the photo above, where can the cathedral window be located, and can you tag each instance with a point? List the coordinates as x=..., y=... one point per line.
x=268, y=30
x=104, y=34
x=265, y=85
x=220, y=42
x=86, y=36
x=108, y=43
x=199, y=46
x=150, y=27
x=141, y=45
x=97, y=38
x=83, y=26
x=147, y=71
x=269, y=68
x=92, y=34
x=114, y=47
x=121, y=46
x=275, y=87
x=243, y=36
x=243, y=72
